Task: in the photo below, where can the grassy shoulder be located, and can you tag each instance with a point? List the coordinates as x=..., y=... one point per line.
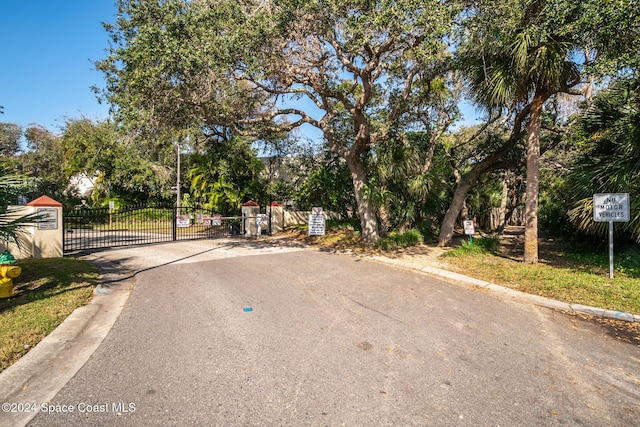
x=560, y=275
x=48, y=290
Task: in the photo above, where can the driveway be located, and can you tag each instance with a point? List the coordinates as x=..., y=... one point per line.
x=242, y=333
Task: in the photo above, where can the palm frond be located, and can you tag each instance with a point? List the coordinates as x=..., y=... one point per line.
x=13, y=225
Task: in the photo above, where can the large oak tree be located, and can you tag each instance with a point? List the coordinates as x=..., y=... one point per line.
x=267, y=66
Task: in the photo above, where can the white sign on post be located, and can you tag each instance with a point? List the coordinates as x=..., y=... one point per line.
x=611, y=207
x=469, y=228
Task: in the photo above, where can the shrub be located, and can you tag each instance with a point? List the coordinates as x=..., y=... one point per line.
x=482, y=246
x=428, y=230
x=339, y=224
x=399, y=240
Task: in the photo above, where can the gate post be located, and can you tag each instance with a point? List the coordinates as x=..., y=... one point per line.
x=42, y=239
x=250, y=210
x=47, y=236
x=276, y=215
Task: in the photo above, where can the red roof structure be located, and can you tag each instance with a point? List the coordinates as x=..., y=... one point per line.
x=44, y=201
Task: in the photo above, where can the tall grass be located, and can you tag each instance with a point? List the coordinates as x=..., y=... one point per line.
x=482, y=246
x=399, y=240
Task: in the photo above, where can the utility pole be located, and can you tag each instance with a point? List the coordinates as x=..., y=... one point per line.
x=178, y=181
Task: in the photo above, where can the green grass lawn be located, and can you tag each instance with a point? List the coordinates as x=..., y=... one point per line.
x=568, y=281
x=48, y=290
x=562, y=273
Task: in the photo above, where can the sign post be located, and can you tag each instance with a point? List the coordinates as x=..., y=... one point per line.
x=611, y=207
x=469, y=230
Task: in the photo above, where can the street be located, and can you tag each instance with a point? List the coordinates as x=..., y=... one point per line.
x=243, y=333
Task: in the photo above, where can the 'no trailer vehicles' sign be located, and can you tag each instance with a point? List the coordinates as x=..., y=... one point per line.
x=611, y=207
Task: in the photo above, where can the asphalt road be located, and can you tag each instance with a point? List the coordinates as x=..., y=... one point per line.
x=336, y=340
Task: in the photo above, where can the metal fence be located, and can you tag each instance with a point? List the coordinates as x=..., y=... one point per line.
x=143, y=224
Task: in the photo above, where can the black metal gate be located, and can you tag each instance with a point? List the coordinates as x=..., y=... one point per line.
x=142, y=224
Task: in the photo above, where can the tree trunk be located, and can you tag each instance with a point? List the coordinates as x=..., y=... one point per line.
x=384, y=220
x=531, y=192
x=459, y=196
x=493, y=162
x=368, y=220
x=503, y=201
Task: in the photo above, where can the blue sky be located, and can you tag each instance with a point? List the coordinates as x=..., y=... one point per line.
x=47, y=50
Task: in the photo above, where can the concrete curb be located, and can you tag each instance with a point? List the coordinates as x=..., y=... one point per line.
x=534, y=299
x=40, y=374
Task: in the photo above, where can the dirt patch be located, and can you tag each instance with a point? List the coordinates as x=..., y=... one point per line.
x=348, y=242
x=512, y=247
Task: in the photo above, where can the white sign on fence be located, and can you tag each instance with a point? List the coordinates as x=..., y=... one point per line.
x=183, y=221
x=609, y=207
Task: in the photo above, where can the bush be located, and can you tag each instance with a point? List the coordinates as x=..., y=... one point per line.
x=482, y=246
x=428, y=230
x=347, y=224
x=399, y=240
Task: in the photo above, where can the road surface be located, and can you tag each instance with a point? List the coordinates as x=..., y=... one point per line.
x=242, y=333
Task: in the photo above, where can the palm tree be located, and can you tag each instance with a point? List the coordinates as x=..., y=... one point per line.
x=520, y=65
x=610, y=161
x=11, y=224
x=222, y=178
